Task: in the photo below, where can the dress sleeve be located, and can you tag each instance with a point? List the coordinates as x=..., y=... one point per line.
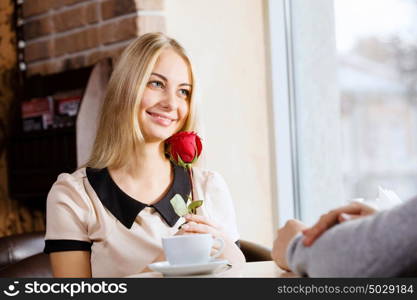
x=384, y=244
x=67, y=215
x=223, y=210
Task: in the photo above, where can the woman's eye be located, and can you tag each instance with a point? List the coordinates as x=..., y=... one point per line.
x=155, y=83
x=185, y=92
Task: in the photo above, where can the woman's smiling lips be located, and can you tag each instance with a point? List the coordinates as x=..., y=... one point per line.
x=161, y=119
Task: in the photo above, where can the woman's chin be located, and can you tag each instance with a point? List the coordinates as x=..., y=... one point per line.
x=157, y=137
x=159, y=134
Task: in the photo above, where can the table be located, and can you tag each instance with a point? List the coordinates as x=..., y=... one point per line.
x=261, y=269
x=248, y=270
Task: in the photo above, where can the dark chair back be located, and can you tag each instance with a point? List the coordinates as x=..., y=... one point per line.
x=255, y=252
x=21, y=255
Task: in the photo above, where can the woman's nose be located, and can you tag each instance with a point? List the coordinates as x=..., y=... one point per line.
x=169, y=100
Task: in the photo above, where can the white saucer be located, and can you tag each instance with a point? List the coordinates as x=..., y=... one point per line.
x=187, y=270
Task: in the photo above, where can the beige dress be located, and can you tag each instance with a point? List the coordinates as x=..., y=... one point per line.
x=86, y=210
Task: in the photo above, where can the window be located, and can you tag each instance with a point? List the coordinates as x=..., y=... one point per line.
x=377, y=72
x=344, y=78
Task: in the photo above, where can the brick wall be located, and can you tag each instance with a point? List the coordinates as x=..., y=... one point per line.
x=69, y=34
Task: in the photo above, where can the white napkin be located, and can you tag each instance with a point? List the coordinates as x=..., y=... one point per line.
x=386, y=199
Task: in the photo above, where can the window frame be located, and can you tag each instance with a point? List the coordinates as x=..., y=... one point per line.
x=285, y=149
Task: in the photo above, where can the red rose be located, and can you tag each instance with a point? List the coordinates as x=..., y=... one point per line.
x=184, y=147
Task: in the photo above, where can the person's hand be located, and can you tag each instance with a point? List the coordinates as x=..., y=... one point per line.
x=345, y=213
x=285, y=235
x=201, y=224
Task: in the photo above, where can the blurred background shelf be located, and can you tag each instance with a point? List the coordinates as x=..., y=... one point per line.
x=36, y=158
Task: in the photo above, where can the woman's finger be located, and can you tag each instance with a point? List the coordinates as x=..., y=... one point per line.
x=198, y=228
x=200, y=219
x=182, y=232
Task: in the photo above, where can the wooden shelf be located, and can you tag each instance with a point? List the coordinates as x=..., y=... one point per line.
x=36, y=158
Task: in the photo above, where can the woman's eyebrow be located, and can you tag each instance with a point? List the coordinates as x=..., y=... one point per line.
x=165, y=79
x=186, y=84
x=159, y=75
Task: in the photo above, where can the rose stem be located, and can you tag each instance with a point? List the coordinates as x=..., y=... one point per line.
x=190, y=174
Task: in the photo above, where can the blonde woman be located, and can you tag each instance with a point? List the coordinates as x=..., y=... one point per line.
x=107, y=219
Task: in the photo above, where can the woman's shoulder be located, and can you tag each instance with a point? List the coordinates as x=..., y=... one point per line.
x=68, y=184
x=74, y=178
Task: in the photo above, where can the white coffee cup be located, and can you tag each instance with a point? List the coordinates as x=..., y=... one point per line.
x=190, y=249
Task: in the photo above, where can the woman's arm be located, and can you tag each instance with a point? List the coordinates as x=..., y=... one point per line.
x=71, y=264
x=67, y=218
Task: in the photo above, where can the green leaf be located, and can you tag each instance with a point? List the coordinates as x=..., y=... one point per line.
x=179, y=205
x=194, y=205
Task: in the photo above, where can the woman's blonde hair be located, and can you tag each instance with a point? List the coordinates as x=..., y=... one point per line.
x=118, y=132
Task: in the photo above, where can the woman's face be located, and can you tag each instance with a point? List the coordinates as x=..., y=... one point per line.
x=165, y=104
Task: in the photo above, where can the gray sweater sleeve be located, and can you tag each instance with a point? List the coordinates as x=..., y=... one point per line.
x=382, y=245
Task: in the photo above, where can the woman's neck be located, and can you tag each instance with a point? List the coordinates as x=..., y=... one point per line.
x=147, y=176
x=149, y=161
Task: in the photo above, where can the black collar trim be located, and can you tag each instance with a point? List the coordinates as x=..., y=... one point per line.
x=125, y=208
